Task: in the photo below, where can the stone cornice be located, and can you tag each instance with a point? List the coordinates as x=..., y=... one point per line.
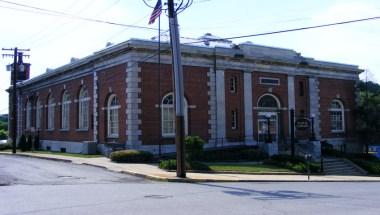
x=246, y=57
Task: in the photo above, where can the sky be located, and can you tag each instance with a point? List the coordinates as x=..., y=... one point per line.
x=54, y=40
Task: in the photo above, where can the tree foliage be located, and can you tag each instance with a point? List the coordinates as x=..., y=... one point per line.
x=368, y=114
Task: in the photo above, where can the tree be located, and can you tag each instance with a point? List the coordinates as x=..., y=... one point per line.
x=368, y=114
x=3, y=135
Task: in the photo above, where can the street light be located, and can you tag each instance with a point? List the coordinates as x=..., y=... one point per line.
x=269, y=137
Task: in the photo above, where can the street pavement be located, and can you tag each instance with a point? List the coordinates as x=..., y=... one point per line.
x=151, y=171
x=46, y=187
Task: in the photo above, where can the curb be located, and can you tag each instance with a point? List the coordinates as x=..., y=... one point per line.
x=184, y=180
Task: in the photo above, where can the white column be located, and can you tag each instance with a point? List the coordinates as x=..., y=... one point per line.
x=220, y=106
x=248, y=113
x=291, y=97
x=314, y=104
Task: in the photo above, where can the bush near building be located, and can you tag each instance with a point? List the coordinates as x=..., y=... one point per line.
x=131, y=156
x=297, y=163
x=5, y=146
x=368, y=162
x=3, y=135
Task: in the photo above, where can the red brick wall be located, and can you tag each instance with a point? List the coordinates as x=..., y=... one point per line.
x=153, y=90
x=114, y=79
x=73, y=87
x=280, y=91
x=329, y=90
x=234, y=101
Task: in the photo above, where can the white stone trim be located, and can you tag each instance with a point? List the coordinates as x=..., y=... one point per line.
x=220, y=106
x=315, y=105
x=248, y=111
x=133, y=101
x=291, y=97
x=95, y=107
x=212, y=103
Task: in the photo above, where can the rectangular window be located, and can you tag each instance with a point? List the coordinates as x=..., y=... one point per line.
x=114, y=122
x=83, y=114
x=234, y=119
x=336, y=120
x=38, y=115
x=50, y=117
x=168, y=121
x=29, y=115
x=269, y=81
x=301, y=88
x=65, y=115
x=233, y=83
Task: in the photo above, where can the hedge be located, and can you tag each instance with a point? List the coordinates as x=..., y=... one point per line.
x=131, y=156
x=5, y=146
x=194, y=165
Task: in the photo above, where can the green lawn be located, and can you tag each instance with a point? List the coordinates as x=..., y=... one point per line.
x=68, y=154
x=247, y=167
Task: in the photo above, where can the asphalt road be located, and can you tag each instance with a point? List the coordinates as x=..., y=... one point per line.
x=34, y=186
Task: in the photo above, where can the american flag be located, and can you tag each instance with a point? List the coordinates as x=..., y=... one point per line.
x=156, y=12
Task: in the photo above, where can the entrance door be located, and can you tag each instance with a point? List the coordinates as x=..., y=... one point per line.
x=263, y=126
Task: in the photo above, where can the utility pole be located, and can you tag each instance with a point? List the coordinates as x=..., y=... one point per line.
x=15, y=71
x=178, y=90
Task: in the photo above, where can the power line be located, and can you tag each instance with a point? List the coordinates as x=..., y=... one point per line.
x=270, y=33
x=291, y=30
x=44, y=32
x=47, y=39
x=38, y=10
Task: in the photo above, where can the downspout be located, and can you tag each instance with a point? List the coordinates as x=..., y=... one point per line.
x=216, y=106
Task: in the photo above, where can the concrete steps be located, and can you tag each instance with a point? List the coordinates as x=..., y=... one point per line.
x=340, y=166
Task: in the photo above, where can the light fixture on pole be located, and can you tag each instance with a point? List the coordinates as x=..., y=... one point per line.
x=312, y=138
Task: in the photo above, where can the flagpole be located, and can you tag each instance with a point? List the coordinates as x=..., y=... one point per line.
x=159, y=82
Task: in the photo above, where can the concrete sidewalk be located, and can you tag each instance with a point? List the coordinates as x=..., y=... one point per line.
x=151, y=171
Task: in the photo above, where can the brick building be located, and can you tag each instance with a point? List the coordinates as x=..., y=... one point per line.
x=117, y=97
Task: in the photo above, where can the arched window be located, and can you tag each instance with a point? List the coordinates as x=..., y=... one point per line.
x=50, y=113
x=113, y=107
x=268, y=101
x=65, y=111
x=168, y=116
x=83, y=108
x=39, y=108
x=336, y=111
x=28, y=114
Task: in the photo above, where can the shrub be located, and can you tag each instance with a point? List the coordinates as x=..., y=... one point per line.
x=3, y=134
x=172, y=165
x=297, y=163
x=36, y=142
x=23, y=144
x=131, y=156
x=168, y=164
x=5, y=146
x=194, y=147
x=29, y=142
x=372, y=167
x=366, y=157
